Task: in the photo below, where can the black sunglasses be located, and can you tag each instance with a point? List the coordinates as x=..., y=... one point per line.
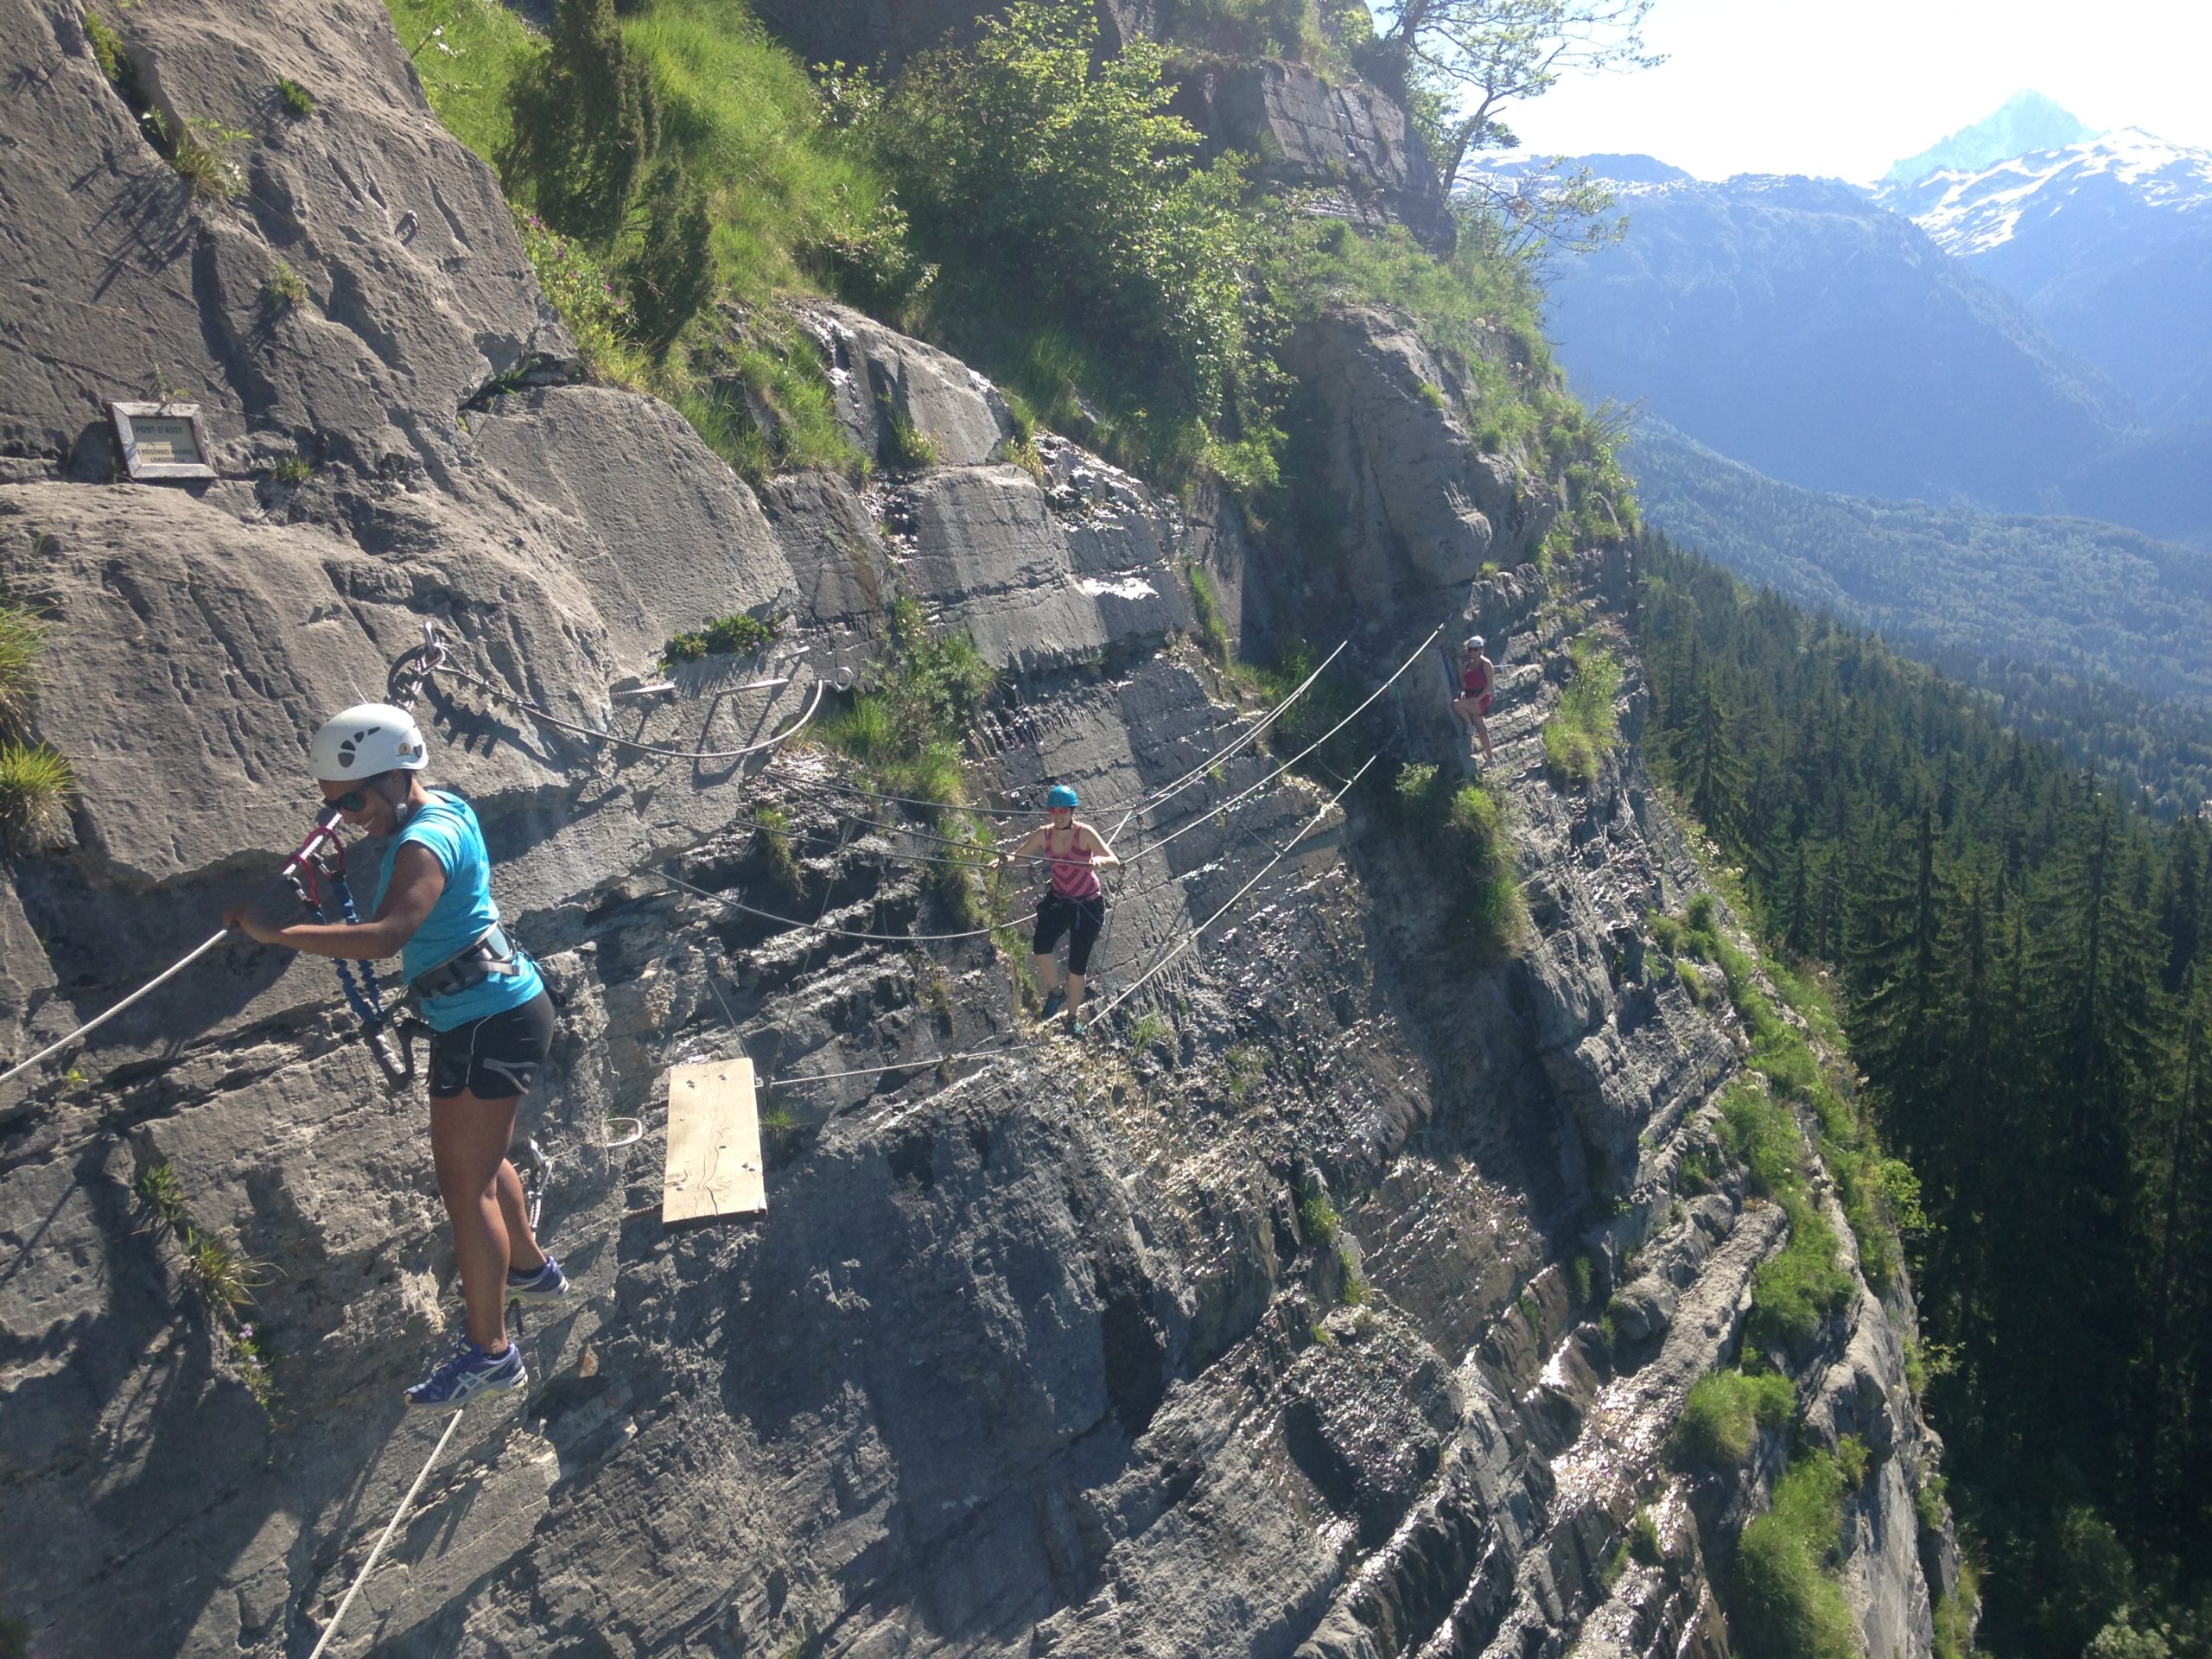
x=352, y=801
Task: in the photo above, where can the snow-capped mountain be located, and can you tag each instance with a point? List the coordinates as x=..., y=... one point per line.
x=2079, y=195
x=2027, y=121
x=1793, y=325
x=2107, y=242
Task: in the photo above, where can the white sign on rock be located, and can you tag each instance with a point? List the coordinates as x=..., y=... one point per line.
x=162, y=440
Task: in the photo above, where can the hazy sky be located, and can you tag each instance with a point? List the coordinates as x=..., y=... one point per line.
x=1796, y=86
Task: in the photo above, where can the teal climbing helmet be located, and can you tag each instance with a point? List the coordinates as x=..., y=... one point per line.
x=1060, y=795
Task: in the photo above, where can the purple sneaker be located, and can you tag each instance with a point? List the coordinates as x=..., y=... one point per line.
x=465, y=1373
x=548, y=1284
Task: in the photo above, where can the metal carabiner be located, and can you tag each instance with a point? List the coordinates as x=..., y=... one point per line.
x=537, y=1170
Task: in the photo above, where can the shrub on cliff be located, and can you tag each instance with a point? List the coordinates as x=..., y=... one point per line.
x=1057, y=190
x=1461, y=833
x=1724, y=1412
x=35, y=786
x=1583, y=729
x=585, y=120
x=22, y=642
x=1783, y=1605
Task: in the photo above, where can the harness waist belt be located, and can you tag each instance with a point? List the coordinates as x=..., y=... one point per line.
x=493, y=956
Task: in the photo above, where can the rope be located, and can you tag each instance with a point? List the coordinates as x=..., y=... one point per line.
x=439, y=662
x=1151, y=798
x=1161, y=797
x=98, y=1020
x=391, y=1527
x=1200, y=929
x=1016, y=1048
x=1233, y=802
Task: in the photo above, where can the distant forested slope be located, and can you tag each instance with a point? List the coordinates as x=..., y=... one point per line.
x=2027, y=978
x=2089, y=635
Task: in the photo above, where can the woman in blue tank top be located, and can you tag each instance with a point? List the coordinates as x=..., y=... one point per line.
x=491, y=1021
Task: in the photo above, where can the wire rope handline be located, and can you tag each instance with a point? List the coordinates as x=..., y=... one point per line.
x=1195, y=933
x=391, y=1527
x=324, y=829
x=1151, y=798
x=433, y=658
x=1225, y=806
x=1198, y=932
x=1232, y=804
x=1160, y=796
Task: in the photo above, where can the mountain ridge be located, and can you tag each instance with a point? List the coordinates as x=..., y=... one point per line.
x=2026, y=121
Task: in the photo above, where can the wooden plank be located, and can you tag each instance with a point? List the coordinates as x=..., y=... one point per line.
x=714, y=1145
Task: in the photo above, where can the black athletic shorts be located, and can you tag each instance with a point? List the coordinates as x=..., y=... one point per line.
x=1081, y=918
x=495, y=1057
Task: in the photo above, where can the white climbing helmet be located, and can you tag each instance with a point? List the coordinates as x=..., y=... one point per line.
x=365, y=739
x=1474, y=642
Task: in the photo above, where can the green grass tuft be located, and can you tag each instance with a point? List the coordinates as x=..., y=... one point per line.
x=1583, y=729
x=1723, y=1414
x=1316, y=1217
x=911, y=449
x=1206, y=606
x=1460, y=829
x=467, y=53
x=283, y=288
x=1782, y=1604
x=35, y=786
x=775, y=837
x=735, y=635
x=297, y=98
x=108, y=53
x=156, y=1188
x=201, y=157
x=23, y=644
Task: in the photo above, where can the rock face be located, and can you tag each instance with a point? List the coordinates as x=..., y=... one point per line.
x=417, y=297
x=1413, y=504
x=1344, y=140
x=882, y=380
x=1266, y=1322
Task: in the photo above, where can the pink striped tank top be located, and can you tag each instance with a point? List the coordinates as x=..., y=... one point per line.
x=1073, y=876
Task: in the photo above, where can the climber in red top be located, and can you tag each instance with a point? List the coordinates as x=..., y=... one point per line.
x=1478, y=677
x=1076, y=905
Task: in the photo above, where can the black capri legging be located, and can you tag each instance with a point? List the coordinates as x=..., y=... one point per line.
x=1080, y=918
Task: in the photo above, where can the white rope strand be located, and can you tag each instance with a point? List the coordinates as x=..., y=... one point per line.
x=1200, y=929
x=391, y=1527
x=100, y=1019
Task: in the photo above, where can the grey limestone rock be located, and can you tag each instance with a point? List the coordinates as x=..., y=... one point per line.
x=1042, y=1346
x=418, y=290
x=878, y=376
x=1339, y=137
x=1418, y=504
x=1035, y=585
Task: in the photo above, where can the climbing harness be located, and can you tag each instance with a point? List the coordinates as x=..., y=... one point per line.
x=1198, y=932
x=1219, y=810
x=317, y=870
x=1157, y=968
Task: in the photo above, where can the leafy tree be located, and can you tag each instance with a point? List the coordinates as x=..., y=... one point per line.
x=1475, y=59
x=2022, y=960
x=1052, y=182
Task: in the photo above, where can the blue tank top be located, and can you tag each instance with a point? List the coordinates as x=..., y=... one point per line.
x=446, y=825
